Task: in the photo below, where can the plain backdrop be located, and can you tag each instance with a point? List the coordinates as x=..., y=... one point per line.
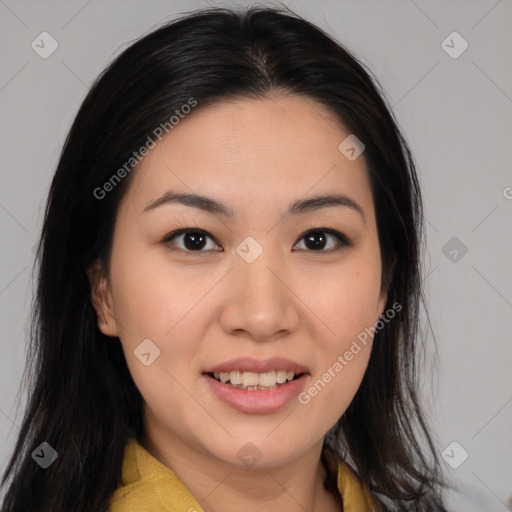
x=454, y=105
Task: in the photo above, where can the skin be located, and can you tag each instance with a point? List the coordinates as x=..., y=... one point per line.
x=204, y=308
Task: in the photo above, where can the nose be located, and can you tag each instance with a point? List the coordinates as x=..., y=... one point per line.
x=260, y=302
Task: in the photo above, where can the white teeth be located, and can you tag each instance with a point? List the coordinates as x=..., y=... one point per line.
x=235, y=377
x=281, y=376
x=267, y=379
x=250, y=379
x=253, y=380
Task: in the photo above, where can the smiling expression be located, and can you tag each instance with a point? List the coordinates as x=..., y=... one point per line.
x=262, y=281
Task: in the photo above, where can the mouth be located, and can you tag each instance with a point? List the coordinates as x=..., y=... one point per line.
x=254, y=381
x=256, y=386
x=247, y=395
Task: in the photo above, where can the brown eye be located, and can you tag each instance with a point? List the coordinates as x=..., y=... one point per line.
x=192, y=240
x=318, y=239
x=315, y=240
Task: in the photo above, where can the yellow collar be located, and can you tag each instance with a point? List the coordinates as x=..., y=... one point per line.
x=148, y=485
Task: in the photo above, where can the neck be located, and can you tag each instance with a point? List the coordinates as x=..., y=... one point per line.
x=295, y=486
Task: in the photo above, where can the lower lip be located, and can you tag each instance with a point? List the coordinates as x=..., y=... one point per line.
x=256, y=401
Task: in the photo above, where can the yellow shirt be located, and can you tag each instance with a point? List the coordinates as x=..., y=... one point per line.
x=150, y=486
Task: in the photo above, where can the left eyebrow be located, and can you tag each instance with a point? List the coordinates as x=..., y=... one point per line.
x=212, y=206
x=324, y=201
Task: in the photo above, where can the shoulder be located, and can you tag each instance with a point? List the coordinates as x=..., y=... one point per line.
x=147, y=485
x=355, y=496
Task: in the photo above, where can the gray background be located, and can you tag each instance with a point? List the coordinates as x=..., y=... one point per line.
x=456, y=114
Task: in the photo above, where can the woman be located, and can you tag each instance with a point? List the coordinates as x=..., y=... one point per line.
x=229, y=289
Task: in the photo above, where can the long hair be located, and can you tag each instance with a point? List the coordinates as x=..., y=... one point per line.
x=82, y=399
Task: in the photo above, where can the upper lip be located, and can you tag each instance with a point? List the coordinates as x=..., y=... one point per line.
x=247, y=364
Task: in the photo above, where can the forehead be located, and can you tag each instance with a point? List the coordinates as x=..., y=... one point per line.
x=253, y=151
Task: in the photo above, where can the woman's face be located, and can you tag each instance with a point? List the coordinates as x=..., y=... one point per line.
x=253, y=296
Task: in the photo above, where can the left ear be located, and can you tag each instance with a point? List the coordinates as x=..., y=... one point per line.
x=383, y=297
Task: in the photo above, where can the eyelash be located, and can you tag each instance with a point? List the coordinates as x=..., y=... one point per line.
x=343, y=240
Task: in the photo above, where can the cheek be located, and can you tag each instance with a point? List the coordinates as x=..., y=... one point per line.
x=164, y=376
x=346, y=304
x=153, y=303
x=346, y=301
x=330, y=391
x=154, y=299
